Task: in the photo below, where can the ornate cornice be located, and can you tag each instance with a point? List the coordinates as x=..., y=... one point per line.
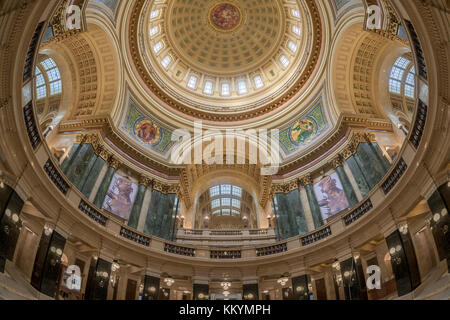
x=169, y=102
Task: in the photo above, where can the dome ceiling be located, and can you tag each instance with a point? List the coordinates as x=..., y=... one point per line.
x=224, y=61
x=218, y=38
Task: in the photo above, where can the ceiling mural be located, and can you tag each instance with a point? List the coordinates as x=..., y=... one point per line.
x=147, y=131
x=304, y=130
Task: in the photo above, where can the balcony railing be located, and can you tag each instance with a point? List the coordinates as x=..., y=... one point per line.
x=170, y=248
x=92, y=213
x=358, y=212
x=316, y=236
x=226, y=254
x=267, y=251
x=134, y=236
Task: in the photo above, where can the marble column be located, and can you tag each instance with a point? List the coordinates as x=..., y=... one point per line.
x=84, y=169
x=345, y=181
x=79, y=163
x=113, y=165
x=404, y=261
x=307, y=182
x=380, y=156
x=137, y=206
x=371, y=166
x=145, y=207
x=307, y=209
x=93, y=175
x=352, y=180
x=47, y=262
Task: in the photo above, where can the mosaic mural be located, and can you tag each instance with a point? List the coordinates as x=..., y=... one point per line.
x=147, y=131
x=304, y=130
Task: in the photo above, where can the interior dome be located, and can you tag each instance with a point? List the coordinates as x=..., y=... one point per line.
x=194, y=56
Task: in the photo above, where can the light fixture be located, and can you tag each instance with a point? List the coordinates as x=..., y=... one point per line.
x=225, y=285
x=115, y=266
x=226, y=293
x=169, y=281
x=283, y=280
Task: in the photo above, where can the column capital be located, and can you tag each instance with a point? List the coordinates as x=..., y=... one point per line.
x=337, y=161
x=145, y=181
x=306, y=180
x=113, y=162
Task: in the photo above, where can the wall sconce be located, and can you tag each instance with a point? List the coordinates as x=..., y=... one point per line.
x=282, y=281
x=115, y=266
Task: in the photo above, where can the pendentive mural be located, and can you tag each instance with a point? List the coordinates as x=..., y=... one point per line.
x=147, y=131
x=120, y=197
x=305, y=130
x=330, y=196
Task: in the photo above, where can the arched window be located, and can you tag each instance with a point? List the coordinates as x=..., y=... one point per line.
x=48, y=79
x=401, y=81
x=226, y=200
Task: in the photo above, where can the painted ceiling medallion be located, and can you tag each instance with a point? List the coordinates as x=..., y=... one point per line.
x=225, y=17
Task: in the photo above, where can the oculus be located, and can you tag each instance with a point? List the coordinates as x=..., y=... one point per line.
x=225, y=17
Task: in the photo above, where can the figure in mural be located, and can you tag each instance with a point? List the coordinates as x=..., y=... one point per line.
x=120, y=197
x=303, y=131
x=225, y=16
x=333, y=198
x=147, y=131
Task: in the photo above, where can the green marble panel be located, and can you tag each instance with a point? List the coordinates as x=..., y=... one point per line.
x=103, y=189
x=359, y=176
x=137, y=206
x=93, y=176
x=348, y=188
x=292, y=218
x=314, y=206
x=70, y=157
